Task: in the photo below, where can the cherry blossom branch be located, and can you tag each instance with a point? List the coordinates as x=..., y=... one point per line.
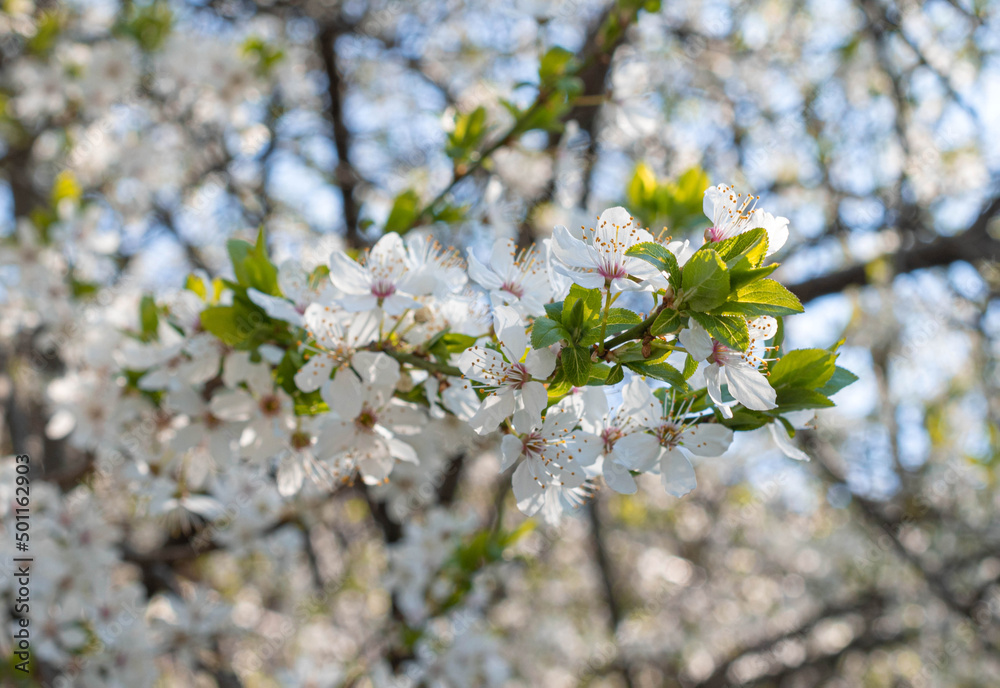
x=635, y=332
x=423, y=363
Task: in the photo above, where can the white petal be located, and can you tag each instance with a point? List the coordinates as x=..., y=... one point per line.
x=713, y=381
x=532, y=398
x=707, y=439
x=696, y=341
x=343, y=394
x=637, y=451
x=540, y=363
x=402, y=451
x=677, y=473
x=502, y=257
x=762, y=328
x=784, y=442
x=494, y=409
x=236, y=404
x=314, y=373
x=348, y=276
x=639, y=403
x=482, y=274
x=618, y=478
x=275, y=307
x=510, y=451
x=527, y=490
x=290, y=476
x=749, y=386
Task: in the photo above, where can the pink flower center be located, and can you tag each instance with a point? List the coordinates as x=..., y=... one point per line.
x=668, y=434
x=719, y=353
x=383, y=289
x=517, y=376
x=714, y=234
x=512, y=288
x=532, y=444
x=610, y=436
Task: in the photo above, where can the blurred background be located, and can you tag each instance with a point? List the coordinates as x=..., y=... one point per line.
x=137, y=137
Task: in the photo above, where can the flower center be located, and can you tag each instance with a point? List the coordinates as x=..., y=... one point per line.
x=383, y=289
x=270, y=405
x=367, y=419
x=668, y=434
x=532, y=444
x=513, y=288
x=610, y=436
x=714, y=234
x=517, y=376
x=300, y=440
x=719, y=353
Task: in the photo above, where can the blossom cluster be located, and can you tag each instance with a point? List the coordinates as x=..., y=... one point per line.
x=326, y=377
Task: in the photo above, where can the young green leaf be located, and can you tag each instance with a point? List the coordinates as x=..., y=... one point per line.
x=763, y=297
x=669, y=320
x=705, y=281
x=546, y=332
x=841, y=378
x=576, y=365
x=803, y=368
x=661, y=371
x=659, y=257
x=731, y=330
x=752, y=244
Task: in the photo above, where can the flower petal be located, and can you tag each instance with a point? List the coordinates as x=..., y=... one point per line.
x=677, y=473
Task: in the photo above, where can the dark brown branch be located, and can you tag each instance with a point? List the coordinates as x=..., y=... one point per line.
x=347, y=178
x=608, y=581
x=973, y=245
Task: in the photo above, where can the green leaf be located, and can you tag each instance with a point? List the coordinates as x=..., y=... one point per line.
x=404, y=212
x=800, y=399
x=803, y=368
x=455, y=343
x=669, y=320
x=658, y=256
x=842, y=377
x=148, y=317
x=661, y=371
x=576, y=365
x=251, y=265
x=621, y=319
x=554, y=311
x=197, y=285
x=467, y=134
x=221, y=321
x=742, y=273
x=616, y=375
x=591, y=298
x=690, y=366
x=705, y=281
x=574, y=320
x=764, y=297
x=546, y=332
x=557, y=62
x=745, y=419
x=731, y=330
x=752, y=244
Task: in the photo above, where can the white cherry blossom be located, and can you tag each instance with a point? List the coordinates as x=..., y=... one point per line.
x=733, y=213
x=595, y=258
x=674, y=436
x=738, y=369
x=518, y=281
x=382, y=280
x=510, y=376
x=555, y=455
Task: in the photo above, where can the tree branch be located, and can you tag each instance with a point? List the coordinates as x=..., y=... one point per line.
x=974, y=244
